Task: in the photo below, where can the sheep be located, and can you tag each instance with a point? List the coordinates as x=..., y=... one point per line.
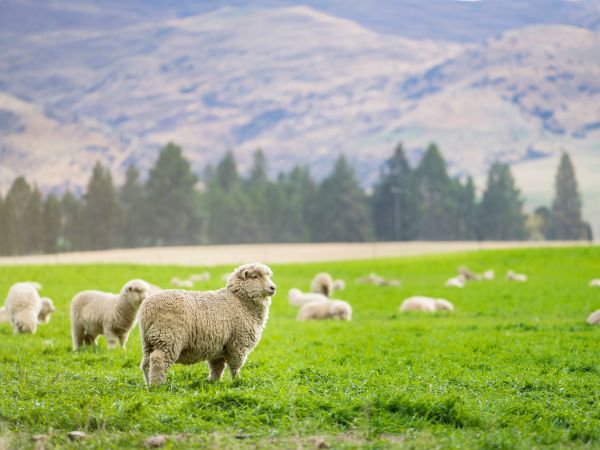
x=322, y=283
x=46, y=310
x=339, y=285
x=512, y=276
x=457, y=282
x=426, y=304
x=330, y=309
x=182, y=283
x=595, y=282
x=467, y=274
x=204, y=276
x=594, y=318
x=221, y=327
x=372, y=278
x=94, y=313
x=298, y=298
x=22, y=307
x=489, y=275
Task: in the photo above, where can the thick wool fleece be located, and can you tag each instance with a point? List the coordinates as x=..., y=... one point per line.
x=23, y=305
x=221, y=327
x=322, y=283
x=94, y=313
x=330, y=309
x=426, y=304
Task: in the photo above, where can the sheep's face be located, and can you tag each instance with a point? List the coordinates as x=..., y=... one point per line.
x=252, y=281
x=136, y=291
x=46, y=310
x=24, y=322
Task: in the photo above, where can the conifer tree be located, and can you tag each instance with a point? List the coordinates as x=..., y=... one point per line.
x=131, y=200
x=73, y=223
x=101, y=210
x=566, y=207
x=10, y=226
x=33, y=224
x=52, y=226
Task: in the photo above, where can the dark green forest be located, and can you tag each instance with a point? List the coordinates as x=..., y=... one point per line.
x=172, y=205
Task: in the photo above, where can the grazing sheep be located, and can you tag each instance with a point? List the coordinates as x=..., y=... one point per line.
x=94, y=313
x=426, y=304
x=457, y=282
x=594, y=318
x=23, y=305
x=322, y=283
x=595, y=282
x=468, y=274
x=330, y=309
x=512, y=276
x=489, y=275
x=182, y=283
x=221, y=327
x=339, y=285
x=298, y=298
x=204, y=276
x=46, y=310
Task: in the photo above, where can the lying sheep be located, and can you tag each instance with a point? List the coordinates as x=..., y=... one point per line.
x=468, y=274
x=94, y=313
x=512, y=276
x=322, y=283
x=298, y=298
x=594, y=318
x=46, y=310
x=221, y=327
x=204, y=276
x=489, y=275
x=182, y=283
x=457, y=282
x=339, y=285
x=595, y=282
x=330, y=309
x=377, y=280
x=426, y=304
x=22, y=307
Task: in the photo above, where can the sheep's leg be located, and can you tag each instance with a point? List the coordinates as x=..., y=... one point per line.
x=78, y=336
x=111, y=340
x=217, y=366
x=123, y=340
x=159, y=364
x=235, y=362
x=145, y=366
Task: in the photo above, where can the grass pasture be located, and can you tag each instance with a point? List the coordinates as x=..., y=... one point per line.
x=515, y=366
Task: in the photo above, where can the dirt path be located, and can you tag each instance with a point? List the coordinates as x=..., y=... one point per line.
x=210, y=255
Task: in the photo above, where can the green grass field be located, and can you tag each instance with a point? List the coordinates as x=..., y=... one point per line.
x=515, y=366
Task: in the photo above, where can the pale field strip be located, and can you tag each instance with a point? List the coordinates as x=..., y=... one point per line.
x=213, y=255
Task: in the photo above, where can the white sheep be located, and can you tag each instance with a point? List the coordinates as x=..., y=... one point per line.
x=204, y=276
x=182, y=283
x=322, y=283
x=23, y=306
x=372, y=278
x=457, y=281
x=426, y=304
x=594, y=318
x=595, y=282
x=513, y=276
x=94, y=313
x=468, y=274
x=339, y=284
x=46, y=310
x=298, y=298
x=221, y=327
x=489, y=275
x=330, y=309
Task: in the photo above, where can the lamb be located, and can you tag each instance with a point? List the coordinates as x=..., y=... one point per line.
x=182, y=283
x=330, y=309
x=322, y=283
x=22, y=307
x=512, y=276
x=594, y=318
x=221, y=327
x=457, y=282
x=595, y=282
x=298, y=298
x=489, y=275
x=426, y=304
x=94, y=313
x=46, y=310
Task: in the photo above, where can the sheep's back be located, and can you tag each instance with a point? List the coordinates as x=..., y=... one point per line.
x=22, y=298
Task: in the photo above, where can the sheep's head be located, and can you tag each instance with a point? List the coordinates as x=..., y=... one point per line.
x=443, y=305
x=252, y=281
x=24, y=322
x=340, y=311
x=135, y=291
x=46, y=309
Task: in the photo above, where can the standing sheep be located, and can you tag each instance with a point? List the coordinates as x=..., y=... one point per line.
x=322, y=283
x=330, y=309
x=94, y=313
x=221, y=327
x=594, y=318
x=23, y=306
x=298, y=298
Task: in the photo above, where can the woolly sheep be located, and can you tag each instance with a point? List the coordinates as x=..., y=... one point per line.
x=468, y=274
x=94, y=313
x=458, y=282
x=489, y=275
x=22, y=306
x=512, y=276
x=594, y=318
x=46, y=310
x=372, y=278
x=426, y=304
x=322, y=283
x=595, y=282
x=204, y=276
x=221, y=327
x=298, y=298
x=330, y=309
x=339, y=284
x=182, y=283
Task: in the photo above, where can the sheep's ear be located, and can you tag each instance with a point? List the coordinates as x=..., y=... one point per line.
x=245, y=273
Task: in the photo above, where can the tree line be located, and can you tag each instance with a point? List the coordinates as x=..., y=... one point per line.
x=173, y=206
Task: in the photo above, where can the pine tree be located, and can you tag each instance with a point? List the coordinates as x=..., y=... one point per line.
x=18, y=194
x=501, y=210
x=566, y=207
x=10, y=226
x=131, y=200
x=172, y=203
x=394, y=205
x=101, y=210
x=342, y=213
x=33, y=224
x=73, y=223
x=51, y=221
x=466, y=214
x=226, y=173
x=436, y=197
